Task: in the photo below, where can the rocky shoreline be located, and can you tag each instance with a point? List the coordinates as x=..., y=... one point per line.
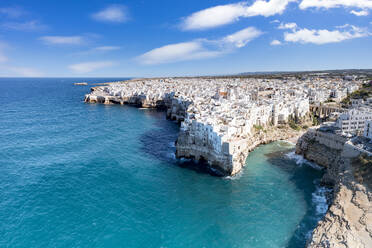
x=194, y=148
x=348, y=221
x=224, y=143
x=215, y=161
x=220, y=128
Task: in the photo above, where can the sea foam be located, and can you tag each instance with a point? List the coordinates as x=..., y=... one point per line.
x=319, y=199
x=319, y=196
x=300, y=160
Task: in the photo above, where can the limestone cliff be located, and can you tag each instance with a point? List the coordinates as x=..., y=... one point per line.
x=348, y=221
x=227, y=163
x=224, y=152
x=324, y=149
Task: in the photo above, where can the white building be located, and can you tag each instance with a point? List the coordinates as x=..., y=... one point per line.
x=355, y=103
x=353, y=121
x=368, y=129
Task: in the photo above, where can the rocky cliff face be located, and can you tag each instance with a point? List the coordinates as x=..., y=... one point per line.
x=200, y=142
x=313, y=150
x=225, y=163
x=348, y=221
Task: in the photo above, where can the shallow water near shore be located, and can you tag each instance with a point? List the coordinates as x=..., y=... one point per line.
x=86, y=175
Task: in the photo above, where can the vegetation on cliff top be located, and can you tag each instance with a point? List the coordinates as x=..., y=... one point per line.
x=363, y=93
x=294, y=125
x=362, y=166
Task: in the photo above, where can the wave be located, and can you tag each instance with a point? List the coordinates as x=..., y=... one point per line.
x=171, y=155
x=235, y=177
x=289, y=142
x=319, y=196
x=319, y=199
x=320, y=202
x=300, y=160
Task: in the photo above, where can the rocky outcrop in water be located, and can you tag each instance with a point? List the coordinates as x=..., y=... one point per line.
x=348, y=221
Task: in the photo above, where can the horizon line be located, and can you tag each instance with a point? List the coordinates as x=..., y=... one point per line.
x=205, y=75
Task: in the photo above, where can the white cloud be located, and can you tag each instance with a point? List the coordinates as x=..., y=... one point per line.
x=176, y=52
x=214, y=17
x=199, y=49
x=360, y=13
x=24, y=71
x=113, y=13
x=264, y=8
x=106, y=48
x=97, y=50
x=24, y=26
x=242, y=37
x=324, y=36
x=90, y=66
x=225, y=14
x=11, y=15
x=10, y=71
x=290, y=25
x=275, y=21
x=62, y=40
x=12, y=12
x=327, y=4
x=275, y=43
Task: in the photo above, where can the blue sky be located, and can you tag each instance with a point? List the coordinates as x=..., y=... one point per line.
x=98, y=38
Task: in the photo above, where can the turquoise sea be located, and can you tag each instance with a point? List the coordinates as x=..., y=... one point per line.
x=85, y=175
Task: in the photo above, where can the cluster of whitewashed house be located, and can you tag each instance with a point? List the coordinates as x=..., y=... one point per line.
x=334, y=90
x=355, y=121
x=221, y=111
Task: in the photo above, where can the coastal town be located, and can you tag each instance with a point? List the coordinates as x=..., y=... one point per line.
x=220, y=117
x=186, y=124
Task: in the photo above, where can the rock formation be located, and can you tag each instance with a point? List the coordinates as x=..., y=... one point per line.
x=348, y=221
x=223, y=119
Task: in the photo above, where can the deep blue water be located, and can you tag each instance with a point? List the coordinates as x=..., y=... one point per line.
x=85, y=175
